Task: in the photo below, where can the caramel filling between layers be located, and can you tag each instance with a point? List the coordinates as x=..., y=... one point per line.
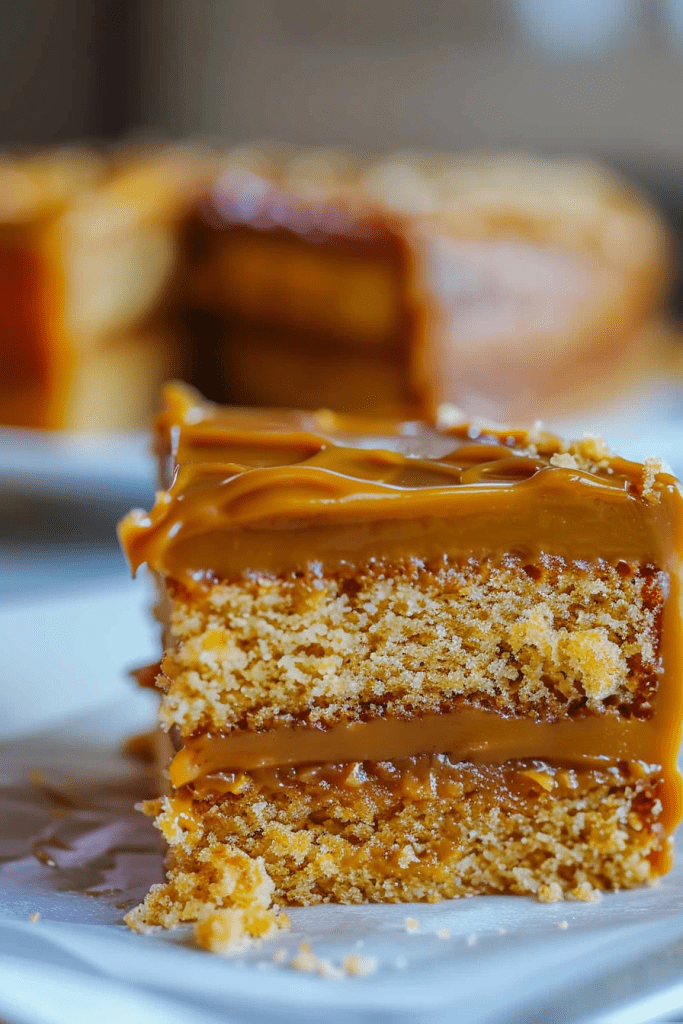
x=469, y=735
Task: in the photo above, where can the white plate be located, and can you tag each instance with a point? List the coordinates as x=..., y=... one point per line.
x=507, y=959
x=100, y=466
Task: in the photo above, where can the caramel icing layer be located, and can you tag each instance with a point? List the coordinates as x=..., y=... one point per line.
x=276, y=492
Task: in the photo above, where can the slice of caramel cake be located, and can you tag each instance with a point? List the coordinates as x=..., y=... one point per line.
x=408, y=661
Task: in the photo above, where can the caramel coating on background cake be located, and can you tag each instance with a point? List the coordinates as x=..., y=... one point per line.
x=489, y=278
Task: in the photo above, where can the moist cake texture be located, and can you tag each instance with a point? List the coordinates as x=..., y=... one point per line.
x=407, y=660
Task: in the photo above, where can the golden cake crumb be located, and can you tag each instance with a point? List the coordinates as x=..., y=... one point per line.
x=359, y=966
x=306, y=960
x=233, y=929
x=518, y=638
x=202, y=879
x=34, y=917
x=585, y=893
x=245, y=848
x=412, y=924
x=564, y=461
x=563, y=925
x=444, y=933
x=551, y=892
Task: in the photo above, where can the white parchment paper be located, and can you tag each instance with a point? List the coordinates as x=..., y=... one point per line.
x=74, y=851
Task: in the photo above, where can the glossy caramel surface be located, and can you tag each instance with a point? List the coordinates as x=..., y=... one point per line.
x=262, y=491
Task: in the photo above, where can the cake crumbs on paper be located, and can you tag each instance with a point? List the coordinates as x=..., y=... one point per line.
x=563, y=925
x=231, y=930
x=444, y=933
x=359, y=966
x=502, y=931
x=34, y=917
x=411, y=924
x=307, y=961
x=471, y=940
x=353, y=965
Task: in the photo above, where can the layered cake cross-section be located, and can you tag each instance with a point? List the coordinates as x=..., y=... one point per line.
x=408, y=661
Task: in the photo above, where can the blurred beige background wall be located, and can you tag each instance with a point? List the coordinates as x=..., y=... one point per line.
x=599, y=75
x=65, y=70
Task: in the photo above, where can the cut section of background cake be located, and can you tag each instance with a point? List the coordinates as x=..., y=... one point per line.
x=316, y=278
x=501, y=282
x=408, y=662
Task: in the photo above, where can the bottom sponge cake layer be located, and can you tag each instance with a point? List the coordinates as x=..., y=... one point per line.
x=422, y=829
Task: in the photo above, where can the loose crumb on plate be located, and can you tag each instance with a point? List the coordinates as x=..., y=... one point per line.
x=471, y=940
x=353, y=965
x=412, y=924
x=444, y=933
x=359, y=966
x=34, y=917
x=306, y=960
x=233, y=929
x=563, y=924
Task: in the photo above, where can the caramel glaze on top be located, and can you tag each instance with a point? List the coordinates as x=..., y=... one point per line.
x=250, y=491
x=261, y=491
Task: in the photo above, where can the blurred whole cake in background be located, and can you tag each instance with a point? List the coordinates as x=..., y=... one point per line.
x=509, y=285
